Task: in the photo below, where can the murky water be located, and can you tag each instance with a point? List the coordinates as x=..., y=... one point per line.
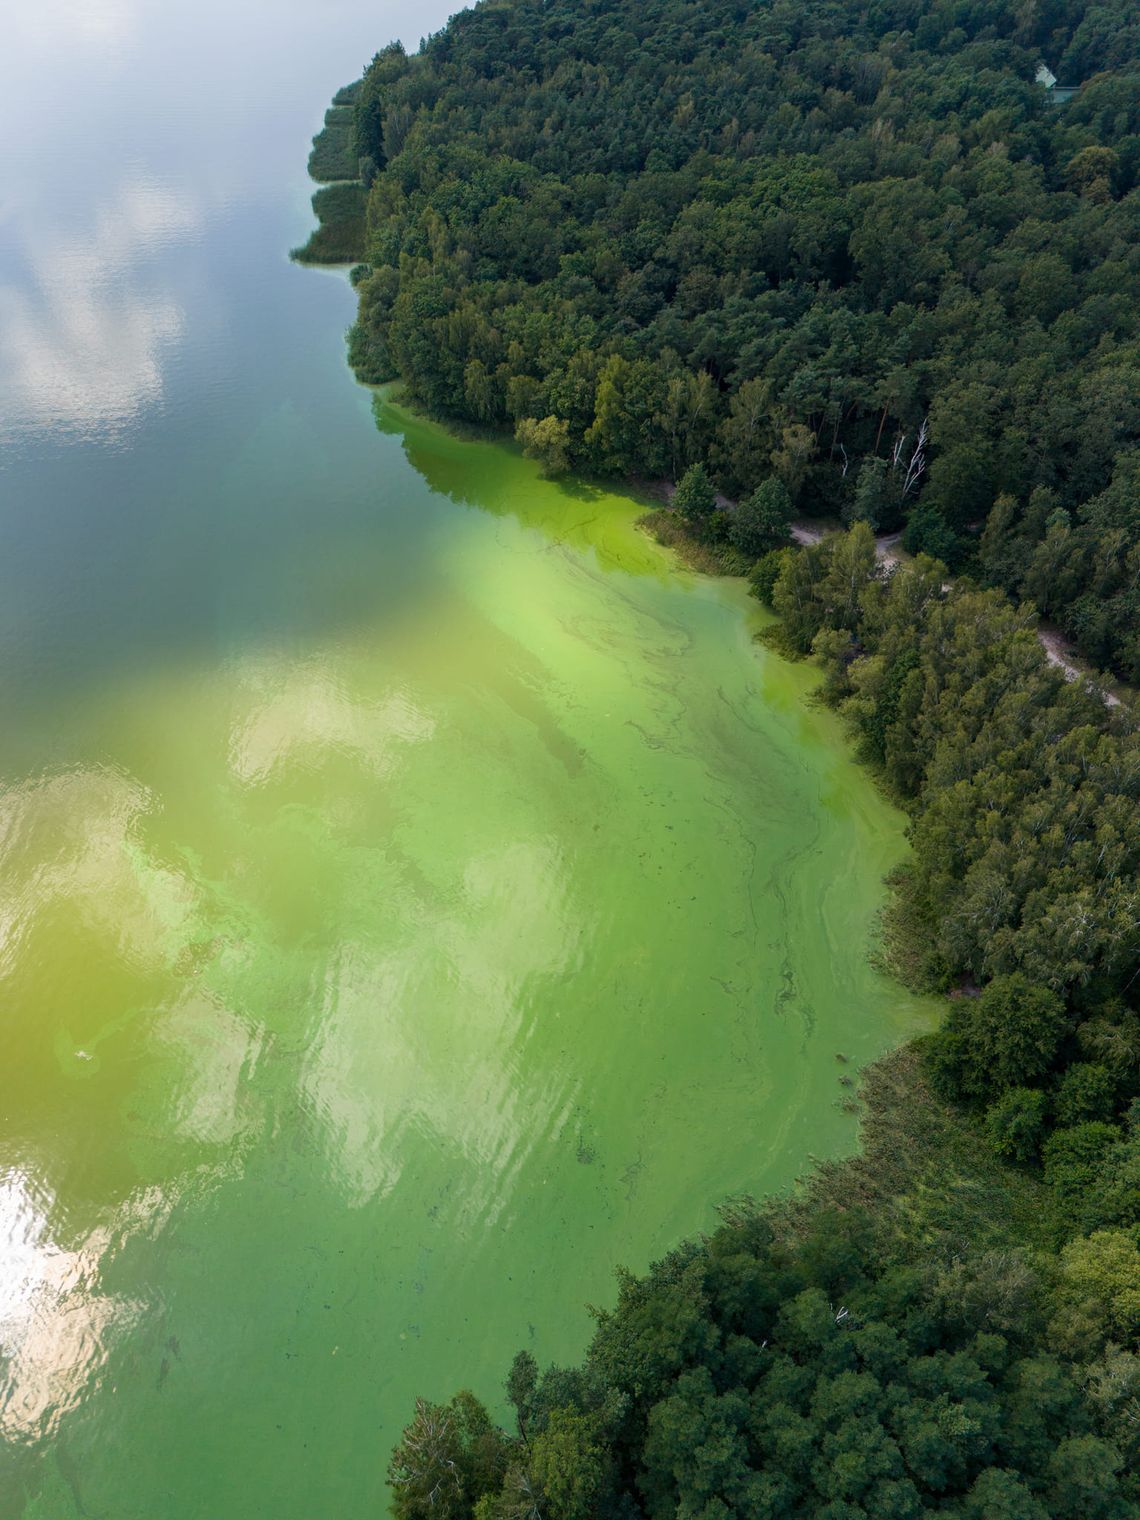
x=416, y=896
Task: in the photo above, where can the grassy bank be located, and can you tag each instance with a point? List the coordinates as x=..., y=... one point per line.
x=921, y=1175
x=669, y=528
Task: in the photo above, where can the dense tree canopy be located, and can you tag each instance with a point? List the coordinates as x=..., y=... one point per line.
x=855, y=246
x=769, y=1379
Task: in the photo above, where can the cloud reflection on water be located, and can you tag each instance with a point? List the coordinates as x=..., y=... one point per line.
x=83, y=340
x=417, y=1025
x=428, y=1038
x=215, y=1053
x=55, y=1321
x=414, y=1027
x=69, y=841
x=303, y=711
x=37, y=33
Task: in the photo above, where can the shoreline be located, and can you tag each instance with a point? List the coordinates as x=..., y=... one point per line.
x=697, y=557
x=990, y=1146
x=648, y=498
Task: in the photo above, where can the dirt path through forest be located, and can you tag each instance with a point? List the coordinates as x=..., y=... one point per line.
x=1056, y=647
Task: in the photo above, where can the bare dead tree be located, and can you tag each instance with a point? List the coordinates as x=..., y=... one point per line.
x=527, y=1495
x=917, y=463
x=424, y=1455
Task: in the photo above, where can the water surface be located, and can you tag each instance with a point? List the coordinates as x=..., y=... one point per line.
x=416, y=895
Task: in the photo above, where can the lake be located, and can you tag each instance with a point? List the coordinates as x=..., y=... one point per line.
x=417, y=895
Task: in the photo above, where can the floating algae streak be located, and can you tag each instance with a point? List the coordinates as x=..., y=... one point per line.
x=416, y=897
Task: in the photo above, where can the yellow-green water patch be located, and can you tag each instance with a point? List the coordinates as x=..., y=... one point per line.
x=378, y=988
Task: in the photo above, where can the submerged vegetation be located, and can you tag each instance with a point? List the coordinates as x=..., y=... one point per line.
x=855, y=263
x=333, y=156
x=340, y=208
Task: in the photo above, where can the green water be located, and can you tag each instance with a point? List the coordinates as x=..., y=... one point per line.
x=416, y=895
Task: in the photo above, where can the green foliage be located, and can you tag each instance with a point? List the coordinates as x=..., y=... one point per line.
x=898, y=1338
x=447, y=1459
x=1098, y=1300
x=1024, y=882
x=820, y=1374
x=568, y=1464
x=797, y=598
x=1073, y=1158
x=521, y=1385
x=877, y=500
x=833, y=650
x=1085, y=1091
x=762, y=521
x=1114, y=1198
x=821, y=585
x=1008, y=1037
x=928, y=532
x=998, y=1494
x=1015, y=1123
x=694, y=497
x=628, y=401
x=765, y=573
x=334, y=156
x=547, y=440
x=1024, y=790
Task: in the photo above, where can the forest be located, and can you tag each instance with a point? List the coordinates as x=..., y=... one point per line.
x=859, y=264
x=860, y=248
